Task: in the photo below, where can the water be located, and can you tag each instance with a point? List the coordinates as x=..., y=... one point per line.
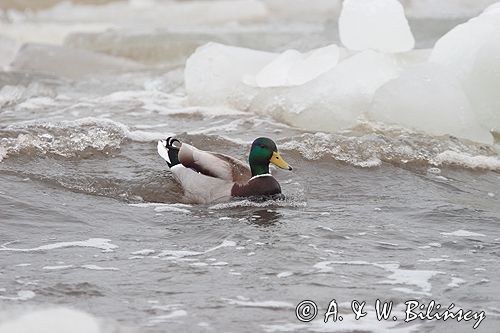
x=94, y=230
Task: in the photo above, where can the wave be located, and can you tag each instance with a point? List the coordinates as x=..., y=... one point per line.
x=70, y=139
x=370, y=147
x=367, y=145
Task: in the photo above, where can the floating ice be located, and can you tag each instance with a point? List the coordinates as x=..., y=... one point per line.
x=332, y=101
x=472, y=52
x=292, y=68
x=304, y=9
x=157, y=13
x=214, y=74
x=455, y=9
x=378, y=25
x=8, y=48
x=493, y=9
x=428, y=98
x=56, y=320
x=58, y=60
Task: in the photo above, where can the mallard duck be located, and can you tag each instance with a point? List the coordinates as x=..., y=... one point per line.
x=207, y=177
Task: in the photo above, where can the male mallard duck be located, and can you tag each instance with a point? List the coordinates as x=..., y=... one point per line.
x=207, y=176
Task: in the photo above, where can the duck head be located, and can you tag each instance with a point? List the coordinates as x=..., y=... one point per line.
x=263, y=152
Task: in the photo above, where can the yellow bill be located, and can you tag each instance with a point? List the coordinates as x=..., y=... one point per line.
x=277, y=160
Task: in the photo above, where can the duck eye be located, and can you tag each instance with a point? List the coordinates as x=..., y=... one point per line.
x=262, y=146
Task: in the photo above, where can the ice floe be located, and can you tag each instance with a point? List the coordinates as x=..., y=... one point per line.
x=449, y=90
x=52, y=320
x=377, y=25
x=58, y=60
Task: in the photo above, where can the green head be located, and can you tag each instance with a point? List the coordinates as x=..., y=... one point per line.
x=263, y=152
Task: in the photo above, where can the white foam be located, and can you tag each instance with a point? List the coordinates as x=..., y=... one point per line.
x=284, y=274
x=159, y=207
x=441, y=260
x=260, y=304
x=248, y=203
x=419, y=278
x=462, y=233
x=98, y=243
x=348, y=324
x=456, y=282
x=378, y=25
x=145, y=252
x=168, y=317
x=184, y=253
x=100, y=268
x=58, y=267
x=22, y=295
x=466, y=160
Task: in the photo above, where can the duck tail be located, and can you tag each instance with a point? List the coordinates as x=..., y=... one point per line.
x=168, y=151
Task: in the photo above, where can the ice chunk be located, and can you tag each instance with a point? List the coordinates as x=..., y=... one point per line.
x=215, y=73
x=317, y=10
x=332, y=101
x=472, y=52
x=428, y=98
x=53, y=320
x=483, y=82
x=275, y=73
x=454, y=9
x=293, y=68
x=174, y=46
x=158, y=13
x=459, y=48
x=8, y=49
x=494, y=9
x=60, y=61
x=379, y=25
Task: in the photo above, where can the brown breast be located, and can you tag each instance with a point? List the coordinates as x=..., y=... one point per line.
x=261, y=185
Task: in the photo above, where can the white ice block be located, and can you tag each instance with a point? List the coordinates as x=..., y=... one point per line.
x=375, y=24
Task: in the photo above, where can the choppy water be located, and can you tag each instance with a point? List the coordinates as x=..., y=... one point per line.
x=90, y=220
